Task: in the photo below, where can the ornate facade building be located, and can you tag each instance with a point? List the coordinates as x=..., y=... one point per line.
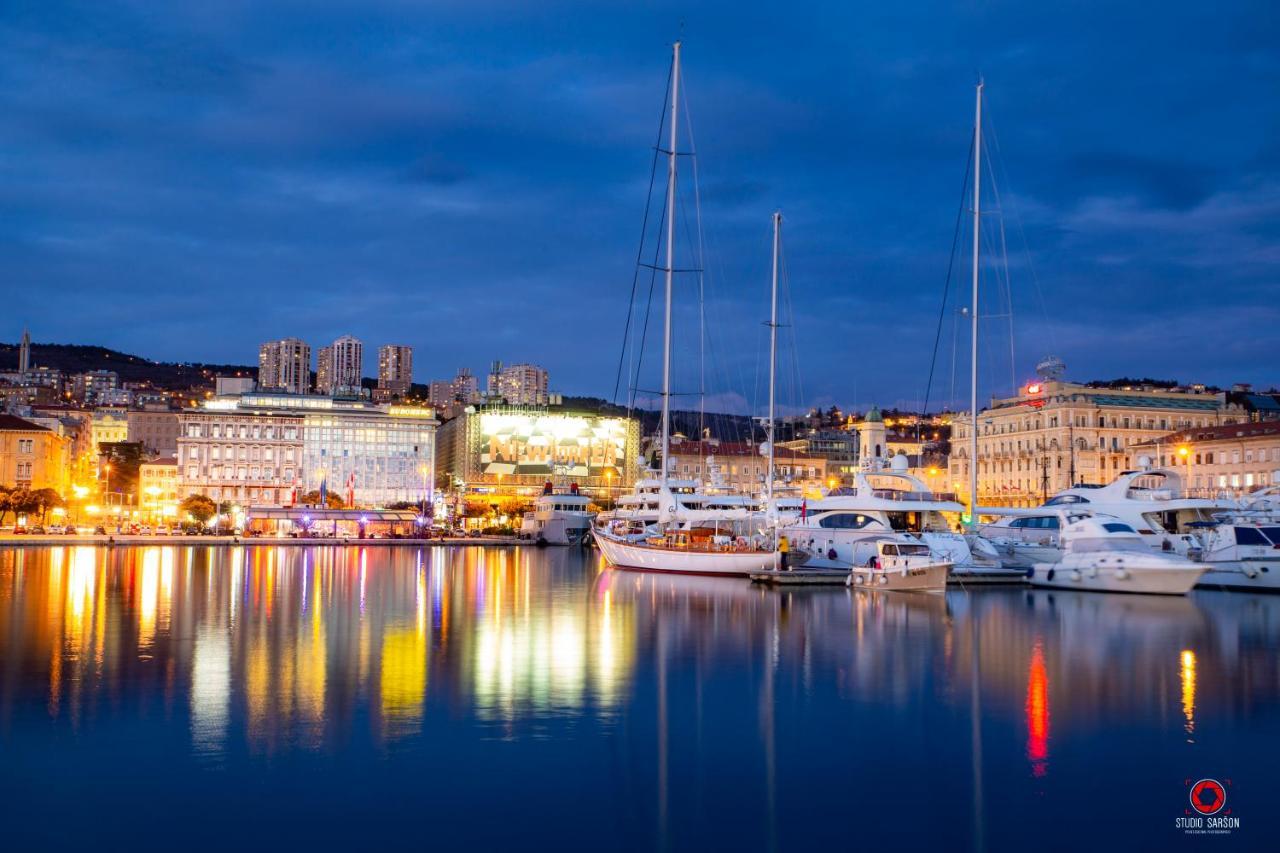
x=1055, y=434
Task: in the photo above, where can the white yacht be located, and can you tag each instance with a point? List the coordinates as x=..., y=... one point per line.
x=1101, y=553
x=558, y=518
x=891, y=501
x=1151, y=501
x=1239, y=551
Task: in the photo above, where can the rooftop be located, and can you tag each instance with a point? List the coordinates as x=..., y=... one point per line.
x=9, y=423
x=1221, y=432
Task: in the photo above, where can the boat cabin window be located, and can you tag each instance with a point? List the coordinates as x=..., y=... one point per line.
x=1118, y=527
x=1252, y=536
x=912, y=550
x=845, y=521
x=1066, y=499
x=1039, y=522
x=909, y=522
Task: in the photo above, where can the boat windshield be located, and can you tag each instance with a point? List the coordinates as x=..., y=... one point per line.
x=1108, y=543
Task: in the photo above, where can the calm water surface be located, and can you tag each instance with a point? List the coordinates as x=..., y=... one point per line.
x=282, y=698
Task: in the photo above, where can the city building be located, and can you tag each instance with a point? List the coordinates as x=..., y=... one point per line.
x=838, y=447
x=518, y=384
x=108, y=426
x=285, y=365
x=1054, y=434
x=1226, y=460
x=224, y=386
x=742, y=467
x=519, y=448
x=451, y=396
x=158, y=486
x=340, y=367
x=32, y=456
x=156, y=429
x=89, y=387
x=395, y=370
x=262, y=449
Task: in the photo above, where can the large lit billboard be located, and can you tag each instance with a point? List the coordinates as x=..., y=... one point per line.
x=552, y=445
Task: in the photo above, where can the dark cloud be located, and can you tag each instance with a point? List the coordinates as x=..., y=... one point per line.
x=187, y=179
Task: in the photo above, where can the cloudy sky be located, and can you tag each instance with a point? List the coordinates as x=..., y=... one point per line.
x=182, y=181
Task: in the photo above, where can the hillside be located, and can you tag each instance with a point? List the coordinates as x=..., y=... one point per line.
x=76, y=358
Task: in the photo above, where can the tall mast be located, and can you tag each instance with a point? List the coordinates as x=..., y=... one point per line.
x=773, y=355
x=973, y=313
x=671, y=263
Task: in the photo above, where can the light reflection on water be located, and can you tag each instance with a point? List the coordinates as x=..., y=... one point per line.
x=663, y=693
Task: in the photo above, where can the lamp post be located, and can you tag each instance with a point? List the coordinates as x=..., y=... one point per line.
x=1185, y=452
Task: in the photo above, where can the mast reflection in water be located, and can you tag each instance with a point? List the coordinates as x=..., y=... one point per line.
x=496, y=697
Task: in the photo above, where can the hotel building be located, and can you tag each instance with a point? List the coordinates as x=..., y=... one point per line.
x=285, y=365
x=258, y=448
x=1055, y=434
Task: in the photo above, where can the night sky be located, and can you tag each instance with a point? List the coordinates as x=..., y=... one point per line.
x=183, y=181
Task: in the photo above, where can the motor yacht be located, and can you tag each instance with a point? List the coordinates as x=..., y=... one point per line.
x=1239, y=551
x=1102, y=553
x=897, y=562
x=891, y=501
x=558, y=518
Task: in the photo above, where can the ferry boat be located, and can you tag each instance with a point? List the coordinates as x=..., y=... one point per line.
x=558, y=518
x=1104, y=554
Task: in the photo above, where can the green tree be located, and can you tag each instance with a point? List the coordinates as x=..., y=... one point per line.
x=199, y=507
x=312, y=498
x=45, y=500
x=5, y=503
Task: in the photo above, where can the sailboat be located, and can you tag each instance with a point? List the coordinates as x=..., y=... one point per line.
x=679, y=543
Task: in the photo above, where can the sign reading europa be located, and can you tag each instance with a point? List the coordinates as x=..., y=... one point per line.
x=552, y=445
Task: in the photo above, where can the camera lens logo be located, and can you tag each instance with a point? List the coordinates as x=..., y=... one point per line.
x=1208, y=796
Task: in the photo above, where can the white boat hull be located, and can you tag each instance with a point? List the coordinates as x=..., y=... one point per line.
x=647, y=558
x=1256, y=575
x=1110, y=575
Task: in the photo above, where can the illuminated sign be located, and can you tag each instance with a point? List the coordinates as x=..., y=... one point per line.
x=547, y=445
x=1033, y=388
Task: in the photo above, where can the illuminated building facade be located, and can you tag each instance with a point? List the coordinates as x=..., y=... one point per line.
x=155, y=429
x=158, y=486
x=285, y=365
x=519, y=448
x=33, y=456
x=258, y=448
x=742, y=466
x=1224, y=460
x=94, y=386
x=1054, y=434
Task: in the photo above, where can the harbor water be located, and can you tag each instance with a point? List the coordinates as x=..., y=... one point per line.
x=286, y=698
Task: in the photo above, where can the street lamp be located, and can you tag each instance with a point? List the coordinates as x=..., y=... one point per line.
x=1185, y=452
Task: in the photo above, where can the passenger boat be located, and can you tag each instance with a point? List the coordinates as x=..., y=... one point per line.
x=1104, y=554
x=558, y=518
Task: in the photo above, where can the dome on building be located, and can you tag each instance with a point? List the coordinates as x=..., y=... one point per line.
x=874, y=416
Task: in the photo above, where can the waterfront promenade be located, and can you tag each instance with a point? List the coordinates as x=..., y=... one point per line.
x=112, y=540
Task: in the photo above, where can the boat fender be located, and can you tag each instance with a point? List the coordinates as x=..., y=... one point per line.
x=831, y=553
x=1251, y=573
x=1122, y=574
x=857, y=579
x=1031, y=572
x=1047, y=576
x=1075, y=575
x=884, y=579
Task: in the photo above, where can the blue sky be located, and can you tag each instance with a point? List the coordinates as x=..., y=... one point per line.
x=185, y=180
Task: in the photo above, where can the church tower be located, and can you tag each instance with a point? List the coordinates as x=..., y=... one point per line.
x=871, y=440
x=24, y=353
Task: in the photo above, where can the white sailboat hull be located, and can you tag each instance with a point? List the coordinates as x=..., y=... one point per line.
x=647, y=558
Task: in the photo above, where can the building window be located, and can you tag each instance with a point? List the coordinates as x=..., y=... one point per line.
x=26, y=445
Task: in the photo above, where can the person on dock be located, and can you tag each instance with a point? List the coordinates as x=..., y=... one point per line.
x=783, y=548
